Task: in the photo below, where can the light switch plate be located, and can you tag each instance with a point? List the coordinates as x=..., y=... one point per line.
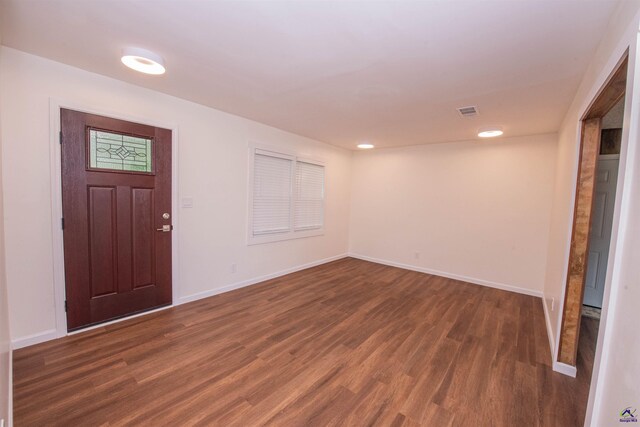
x=187, y=202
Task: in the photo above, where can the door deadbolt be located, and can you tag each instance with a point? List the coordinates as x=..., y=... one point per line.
x=166, y=216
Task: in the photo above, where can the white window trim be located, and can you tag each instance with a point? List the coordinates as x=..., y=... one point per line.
x=295, y=157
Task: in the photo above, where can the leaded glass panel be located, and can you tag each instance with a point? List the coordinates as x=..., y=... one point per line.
x=114, y=151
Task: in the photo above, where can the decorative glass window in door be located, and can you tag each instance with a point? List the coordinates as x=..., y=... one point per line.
x=118, y=152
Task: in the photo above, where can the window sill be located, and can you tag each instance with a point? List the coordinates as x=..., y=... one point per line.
x=279, y=237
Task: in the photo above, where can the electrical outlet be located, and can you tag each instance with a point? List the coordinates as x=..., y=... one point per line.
x=234, y=268
x=416, y=255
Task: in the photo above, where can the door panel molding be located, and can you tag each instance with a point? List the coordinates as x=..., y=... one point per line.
x=55, y=158
x=142, y=237
x=103, y=252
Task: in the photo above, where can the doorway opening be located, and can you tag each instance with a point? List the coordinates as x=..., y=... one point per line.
x=602, y=212
x=597, y=179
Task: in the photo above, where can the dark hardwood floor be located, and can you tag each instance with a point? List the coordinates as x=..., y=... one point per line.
x=347, y=343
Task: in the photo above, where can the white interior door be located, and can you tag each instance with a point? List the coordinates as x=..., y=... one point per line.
x=601, y=222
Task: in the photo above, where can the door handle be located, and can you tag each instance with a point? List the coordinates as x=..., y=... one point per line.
x=165, y=228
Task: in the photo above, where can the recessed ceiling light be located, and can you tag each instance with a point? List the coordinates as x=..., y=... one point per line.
x=365, y=146
x=490, y=132
x=143, y=61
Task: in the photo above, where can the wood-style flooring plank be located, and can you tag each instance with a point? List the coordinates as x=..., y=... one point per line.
x=348, y=343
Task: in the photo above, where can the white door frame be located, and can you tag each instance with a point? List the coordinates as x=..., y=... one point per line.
x=55, y=155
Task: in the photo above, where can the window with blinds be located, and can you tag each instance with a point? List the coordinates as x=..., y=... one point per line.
x=271, y=194
x=287, y=197
x=309, y=196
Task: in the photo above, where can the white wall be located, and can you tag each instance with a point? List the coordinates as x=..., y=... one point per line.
x=616, y=368
x=5, y=345
x=609, y=52
x=213, y=160
x=477, y=210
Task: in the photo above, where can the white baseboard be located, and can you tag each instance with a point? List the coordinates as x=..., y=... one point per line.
x=453, y=276
x=565, y=369
x=253, y=281
x=33, y=339
x=53, y=334
x=552, y=340
x=557, y=366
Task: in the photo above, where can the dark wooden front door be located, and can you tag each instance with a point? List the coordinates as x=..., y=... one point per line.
x=116, y=199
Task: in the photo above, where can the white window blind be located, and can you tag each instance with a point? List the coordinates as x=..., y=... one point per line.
x=272, y=199
x=309, y=196
x=286, y=196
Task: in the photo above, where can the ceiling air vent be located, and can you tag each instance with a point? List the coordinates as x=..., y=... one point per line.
x=468, y=111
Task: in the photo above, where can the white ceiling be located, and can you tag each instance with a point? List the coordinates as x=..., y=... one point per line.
x=341, y=72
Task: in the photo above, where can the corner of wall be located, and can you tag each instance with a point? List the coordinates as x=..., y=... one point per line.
x=6, y=353
x=550, y=334
x=448, y=275
x=352, y=159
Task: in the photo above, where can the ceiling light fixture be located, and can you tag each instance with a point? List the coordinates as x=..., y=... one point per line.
x=490, y=132
x=365, y=146
x=143, y=61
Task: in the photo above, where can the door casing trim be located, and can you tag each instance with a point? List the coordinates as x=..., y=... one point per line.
x=603, y=100
x=55, y=158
